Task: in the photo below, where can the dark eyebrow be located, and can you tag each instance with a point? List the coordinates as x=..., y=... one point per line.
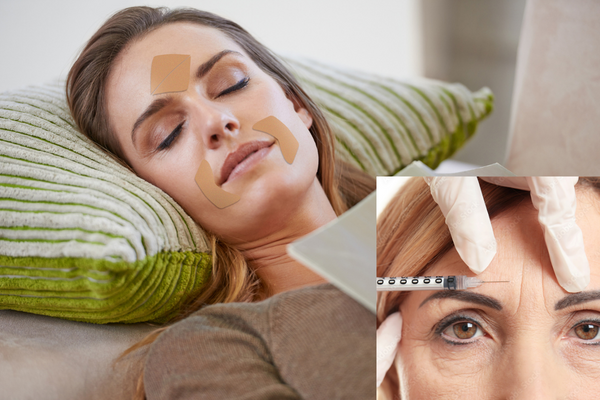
x=162, y=102
x=577, y=298
x=207, y=66
x=465, y=296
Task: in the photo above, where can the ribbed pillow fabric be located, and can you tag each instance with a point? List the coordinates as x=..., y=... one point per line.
x=83, y=238
x=382, y=124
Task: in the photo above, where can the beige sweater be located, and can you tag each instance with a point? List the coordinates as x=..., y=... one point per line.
x=311, y=343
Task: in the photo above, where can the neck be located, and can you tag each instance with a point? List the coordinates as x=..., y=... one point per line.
x=268, y=257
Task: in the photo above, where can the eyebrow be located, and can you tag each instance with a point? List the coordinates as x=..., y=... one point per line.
x=207, y=66
x=577, y=298
x=470, y=297
x=162, y=102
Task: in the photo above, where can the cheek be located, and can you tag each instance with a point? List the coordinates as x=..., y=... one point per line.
x=584, y=363
x=176, y=178
x=434, y=369
x=309, y=154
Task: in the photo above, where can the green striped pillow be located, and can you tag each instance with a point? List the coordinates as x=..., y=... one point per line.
x=382, y=124
x=83, y=238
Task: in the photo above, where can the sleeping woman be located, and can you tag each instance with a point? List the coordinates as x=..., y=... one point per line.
x=284, y=332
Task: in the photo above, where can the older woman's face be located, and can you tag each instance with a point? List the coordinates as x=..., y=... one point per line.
x=210, y=120
x=527, y=339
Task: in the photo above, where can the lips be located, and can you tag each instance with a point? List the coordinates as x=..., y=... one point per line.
x=239, y=155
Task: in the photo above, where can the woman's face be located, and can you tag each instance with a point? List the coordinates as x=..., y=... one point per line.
x=527, y=339
x=209, y=121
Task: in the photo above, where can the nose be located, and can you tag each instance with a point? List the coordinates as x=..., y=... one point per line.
x=532, y=370
x=214, y=123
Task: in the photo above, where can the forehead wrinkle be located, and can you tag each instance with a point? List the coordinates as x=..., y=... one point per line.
x=547, y=300
x=521, y=243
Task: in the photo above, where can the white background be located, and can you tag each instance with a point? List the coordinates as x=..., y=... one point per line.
x=39, y=40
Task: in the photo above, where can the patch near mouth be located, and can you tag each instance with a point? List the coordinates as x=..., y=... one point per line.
x=287, y=141
x=206, y=182
x=205, y=178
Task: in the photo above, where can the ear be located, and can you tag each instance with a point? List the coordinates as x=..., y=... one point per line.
x=304, y=116
x=302, y=112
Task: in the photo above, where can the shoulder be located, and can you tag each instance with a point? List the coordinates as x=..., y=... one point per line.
x=324, y=306
x=310, y=303
x=281, y=342
x=211, y=352
x=323, y=343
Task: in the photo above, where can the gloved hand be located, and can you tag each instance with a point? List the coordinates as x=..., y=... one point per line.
x=462, y=204
x=388, y=337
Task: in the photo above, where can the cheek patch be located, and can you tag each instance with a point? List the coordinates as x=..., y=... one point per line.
x=206, y=182
x=170, y=73
x=287, y=142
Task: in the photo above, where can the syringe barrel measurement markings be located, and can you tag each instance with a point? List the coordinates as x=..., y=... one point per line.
x=452, y=282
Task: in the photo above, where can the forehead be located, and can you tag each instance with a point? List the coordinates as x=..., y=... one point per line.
x=133, y=65
x=128, y=85
x=522, y=257
x=180, y=37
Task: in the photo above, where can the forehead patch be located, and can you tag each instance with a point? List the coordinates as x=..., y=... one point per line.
x=170, y=73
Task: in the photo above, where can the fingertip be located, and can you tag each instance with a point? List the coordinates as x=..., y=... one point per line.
x=477, y=256
x=575, y=284
x=389, y=334
x=391, y=325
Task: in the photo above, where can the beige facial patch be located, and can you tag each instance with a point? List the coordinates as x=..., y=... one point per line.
x=287, y=141
x=170, y=73
x=206, y=182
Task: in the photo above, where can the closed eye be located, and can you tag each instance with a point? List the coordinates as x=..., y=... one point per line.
x=172, y=136
x=240, y=85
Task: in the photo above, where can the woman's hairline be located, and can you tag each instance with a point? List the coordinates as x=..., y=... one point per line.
x=136, y=39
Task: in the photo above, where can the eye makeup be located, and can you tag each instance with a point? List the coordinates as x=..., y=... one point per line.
x=168, y=141
x=228, y=76
x=240, y=85
x=165, y=144
x=586, y=331
x=458, y=329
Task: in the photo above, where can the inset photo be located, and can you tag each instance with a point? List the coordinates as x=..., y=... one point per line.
x=488, y=288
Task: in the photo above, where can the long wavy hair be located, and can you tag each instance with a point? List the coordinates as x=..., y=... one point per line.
x=412, y=235
x=231, y=280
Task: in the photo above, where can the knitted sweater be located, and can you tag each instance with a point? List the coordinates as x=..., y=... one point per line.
x=311, y=343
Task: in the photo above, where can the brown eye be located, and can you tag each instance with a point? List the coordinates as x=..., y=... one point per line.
x=465, y=330
x=587, y=331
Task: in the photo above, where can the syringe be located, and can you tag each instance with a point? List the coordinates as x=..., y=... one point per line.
x=453, y=282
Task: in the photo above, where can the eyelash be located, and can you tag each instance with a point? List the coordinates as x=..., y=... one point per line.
x=169, y=139
x=595, y=341
x=453, y=320
x=165, y=144
x=240, y=85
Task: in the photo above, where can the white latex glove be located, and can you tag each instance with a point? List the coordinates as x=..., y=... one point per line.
x=388, y=337
x=462, y=204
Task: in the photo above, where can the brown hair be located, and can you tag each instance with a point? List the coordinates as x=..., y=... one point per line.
x=412, y=235
x=87, y=78
x=231, y=278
